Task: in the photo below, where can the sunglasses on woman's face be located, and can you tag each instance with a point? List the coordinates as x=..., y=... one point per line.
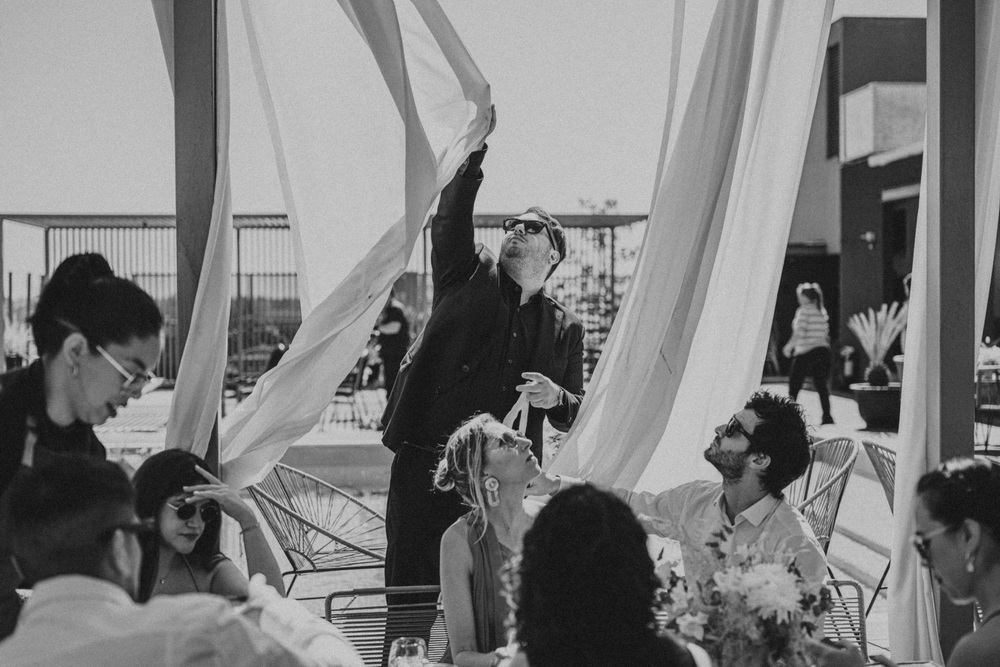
x=185, y=511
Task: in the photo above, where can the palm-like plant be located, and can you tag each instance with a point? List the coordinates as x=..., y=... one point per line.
x=876, y=331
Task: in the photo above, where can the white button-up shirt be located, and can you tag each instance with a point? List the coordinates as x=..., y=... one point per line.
x=80, y=621
x=690, y=513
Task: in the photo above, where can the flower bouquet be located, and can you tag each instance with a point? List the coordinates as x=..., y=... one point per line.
x=754, y=610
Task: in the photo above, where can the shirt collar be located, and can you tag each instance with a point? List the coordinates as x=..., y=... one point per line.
x=756, y=514
x=68, y=586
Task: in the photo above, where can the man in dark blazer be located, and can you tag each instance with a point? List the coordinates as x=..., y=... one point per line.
x=493, y=335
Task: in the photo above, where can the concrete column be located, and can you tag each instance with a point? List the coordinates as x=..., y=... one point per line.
x=952, y=332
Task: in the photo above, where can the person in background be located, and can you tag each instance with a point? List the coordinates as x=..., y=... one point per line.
x=490, y=466
x=762, y=449
x=74, y=531
x=175, y=490
x=393, y=339
x=809, y=346
x=98, y=338
x=584, y=589
x=493, y=337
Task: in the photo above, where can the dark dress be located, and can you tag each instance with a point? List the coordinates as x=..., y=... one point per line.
x=489, y=606
x=24, y=420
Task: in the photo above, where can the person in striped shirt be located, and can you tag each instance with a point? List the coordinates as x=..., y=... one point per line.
x=809, y=346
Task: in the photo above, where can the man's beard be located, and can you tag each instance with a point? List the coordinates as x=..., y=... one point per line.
x=731, y=465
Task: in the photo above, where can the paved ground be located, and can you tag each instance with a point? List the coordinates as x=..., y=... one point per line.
x=355, y=458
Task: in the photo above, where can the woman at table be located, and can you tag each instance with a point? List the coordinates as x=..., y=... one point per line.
x=98, y=338
x=175, y=489
x=490, y=466
x=583, y=591
x=958, y=538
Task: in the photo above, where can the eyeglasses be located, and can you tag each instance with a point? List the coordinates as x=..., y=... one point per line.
x=133, y=381
x=922, y=543
x=530, y=227
x=209, y=511
x=734, y=426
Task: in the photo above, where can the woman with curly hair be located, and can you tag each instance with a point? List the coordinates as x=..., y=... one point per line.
x=185, y=501
x=583, y=592
x=489, y=465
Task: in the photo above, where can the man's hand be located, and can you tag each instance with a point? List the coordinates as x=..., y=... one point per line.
x=544, y=485
x=541, y=391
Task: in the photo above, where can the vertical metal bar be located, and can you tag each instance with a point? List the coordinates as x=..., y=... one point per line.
x=951, y=327
x=195, y=153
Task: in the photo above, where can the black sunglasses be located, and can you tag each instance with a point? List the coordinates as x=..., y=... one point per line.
x=530, y=227
x=209, y=511
x=734, y=426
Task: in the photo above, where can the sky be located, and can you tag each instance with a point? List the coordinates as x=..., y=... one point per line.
x=86, y=114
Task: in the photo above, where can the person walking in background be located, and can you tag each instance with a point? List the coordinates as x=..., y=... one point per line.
x=98, y=338
x=393, y=339
x=809, y=346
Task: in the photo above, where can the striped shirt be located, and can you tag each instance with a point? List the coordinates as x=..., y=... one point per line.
x=810, y=329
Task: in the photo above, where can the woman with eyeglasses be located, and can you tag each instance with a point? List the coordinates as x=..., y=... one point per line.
x=98, y=337
x=175, y=490
x=958, y=538
x=489, y=465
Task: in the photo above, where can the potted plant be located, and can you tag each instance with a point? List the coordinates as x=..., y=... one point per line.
x=878, y=399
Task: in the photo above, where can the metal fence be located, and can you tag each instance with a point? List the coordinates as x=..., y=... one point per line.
x=591, y=281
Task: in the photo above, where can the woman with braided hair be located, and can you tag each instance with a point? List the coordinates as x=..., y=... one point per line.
x=489, y=465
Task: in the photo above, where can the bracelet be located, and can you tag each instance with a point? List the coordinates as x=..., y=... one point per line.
x=244, y=531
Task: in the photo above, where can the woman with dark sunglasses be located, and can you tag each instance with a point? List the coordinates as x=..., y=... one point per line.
x=97, y=336
x=175, y=489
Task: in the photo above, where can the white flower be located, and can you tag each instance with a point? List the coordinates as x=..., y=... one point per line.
x=693, y=625
x=772, y=590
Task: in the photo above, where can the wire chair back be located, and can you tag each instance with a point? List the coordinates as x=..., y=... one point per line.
x=819, y=492
x=320, y=527
x=371, y=625
x=884, y=461
x=846, y=618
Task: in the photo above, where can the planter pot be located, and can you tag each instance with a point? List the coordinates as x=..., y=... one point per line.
x=879, y=406
x=898, y=360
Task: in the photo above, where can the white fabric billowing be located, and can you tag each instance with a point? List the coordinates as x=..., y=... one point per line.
x=913, y=597
x=686, y=347
x=195, y=404
x=356, y=196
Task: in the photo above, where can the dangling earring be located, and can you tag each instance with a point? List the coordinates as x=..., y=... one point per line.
x=492, y=486
x=74, y=369
x=970, y=566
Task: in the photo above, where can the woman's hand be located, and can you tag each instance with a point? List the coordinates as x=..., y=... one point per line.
x=227, y=497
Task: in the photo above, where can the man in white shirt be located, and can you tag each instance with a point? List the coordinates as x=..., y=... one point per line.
x=73, y=531
x=760, y=451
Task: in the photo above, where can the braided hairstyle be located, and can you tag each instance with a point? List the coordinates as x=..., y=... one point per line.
x=462, y=462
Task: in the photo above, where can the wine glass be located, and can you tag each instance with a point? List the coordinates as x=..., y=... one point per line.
x=408, y=652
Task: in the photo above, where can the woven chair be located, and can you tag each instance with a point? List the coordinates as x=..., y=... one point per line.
x=846, y=619
x=817, y=494
x=365, y=619
x=319, y=527
x=884, y=461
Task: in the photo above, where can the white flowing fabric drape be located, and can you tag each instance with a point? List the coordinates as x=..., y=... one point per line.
x=356, y=195
x=688, y=343
x=913, y=597
x=195, y=404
